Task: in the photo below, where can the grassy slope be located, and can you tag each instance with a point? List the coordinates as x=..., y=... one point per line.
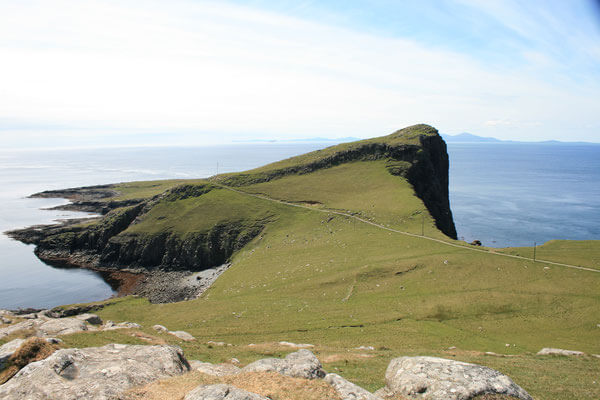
x=326, y=279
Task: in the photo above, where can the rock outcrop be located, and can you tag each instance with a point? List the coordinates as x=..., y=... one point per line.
x=348, y=390
x=183, y=335
x=548, y=351
x=94, y=373
x=107, y=372
x=42, y=326
x=435, y=378
x=301, y=364
x=221, y=392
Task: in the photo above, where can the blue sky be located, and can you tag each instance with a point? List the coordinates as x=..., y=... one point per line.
x=87, y=73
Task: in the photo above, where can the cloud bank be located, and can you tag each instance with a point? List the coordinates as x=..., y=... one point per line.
x=212, y=72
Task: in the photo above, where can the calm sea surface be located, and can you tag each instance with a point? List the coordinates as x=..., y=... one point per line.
x=501, y=194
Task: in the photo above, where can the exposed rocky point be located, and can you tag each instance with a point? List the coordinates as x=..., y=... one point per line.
x=435, y=378
x=94, y=373
x=301, y=364
x=348, y=390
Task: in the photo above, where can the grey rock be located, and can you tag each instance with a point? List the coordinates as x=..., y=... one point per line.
x=90, y=319
x=383, y=393
x=435, y=378
x=214, y=369
x=4, y=320
x=219, y=344
x=8, y=349
x=301, y=364
x=98, y=373
x=61, y=326
x=547, y=351
x=182, y=335
x=348, y=390
x=20, y=326
x=6, y=313
x=45, y=327
x=110, y=326
x=221, y=392
x=297, y=345
x=160, y=328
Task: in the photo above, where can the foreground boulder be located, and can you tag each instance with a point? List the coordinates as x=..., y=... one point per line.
x=440, y=379
x=348, y=390
x=94, y=373
x=301, y=364
x=222, y=392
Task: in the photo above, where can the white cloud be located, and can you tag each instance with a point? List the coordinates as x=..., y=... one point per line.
x=497, y=122
x=212, y=67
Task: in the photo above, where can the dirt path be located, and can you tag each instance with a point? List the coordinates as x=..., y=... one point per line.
x=365, y=221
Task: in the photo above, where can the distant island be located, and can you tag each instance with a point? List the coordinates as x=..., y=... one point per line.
x=470, y=138
x=304, y=140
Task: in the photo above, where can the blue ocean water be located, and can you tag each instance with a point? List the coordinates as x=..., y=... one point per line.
x=501, y=194
x=518, y=194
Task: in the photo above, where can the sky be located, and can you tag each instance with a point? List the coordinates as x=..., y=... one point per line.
x=110, y=73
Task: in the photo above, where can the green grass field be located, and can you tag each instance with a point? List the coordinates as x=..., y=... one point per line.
x=313, y=276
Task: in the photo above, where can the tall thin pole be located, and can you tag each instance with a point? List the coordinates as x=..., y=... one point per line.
x=534, y=249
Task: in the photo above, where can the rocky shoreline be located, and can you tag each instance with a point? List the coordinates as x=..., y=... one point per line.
x=159, y=286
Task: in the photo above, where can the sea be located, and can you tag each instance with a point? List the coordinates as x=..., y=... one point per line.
x=503, y=194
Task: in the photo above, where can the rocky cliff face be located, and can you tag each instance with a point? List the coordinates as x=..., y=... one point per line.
x=425, y=165
x=105, y=245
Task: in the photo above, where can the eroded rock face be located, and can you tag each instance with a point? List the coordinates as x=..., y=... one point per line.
x=348, y=390
x=94, y=373
x=222, y=392
x=435, y=378
x=301, y=364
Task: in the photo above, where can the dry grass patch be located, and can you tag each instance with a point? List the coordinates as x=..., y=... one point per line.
x=148, y=338
x=269, y=384
x=332, y=358
x=33, y=349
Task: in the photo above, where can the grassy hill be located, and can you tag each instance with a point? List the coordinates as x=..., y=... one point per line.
x=338, y=248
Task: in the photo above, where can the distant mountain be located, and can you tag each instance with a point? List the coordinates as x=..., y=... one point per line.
x=470, y=138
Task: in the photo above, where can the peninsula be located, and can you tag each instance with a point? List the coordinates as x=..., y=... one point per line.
x=350, y=252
